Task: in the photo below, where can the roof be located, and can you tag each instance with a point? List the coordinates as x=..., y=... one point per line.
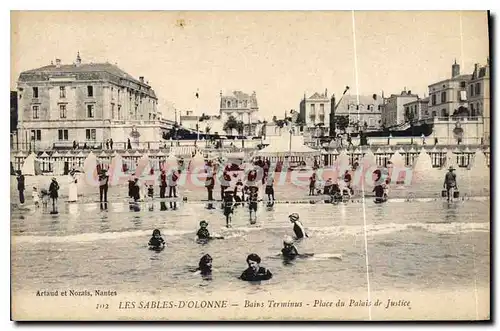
x=85, y=68
x=318, y=96
x=459, y=77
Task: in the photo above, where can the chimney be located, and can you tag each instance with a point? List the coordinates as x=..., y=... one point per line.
x=326, y=93
x=141, y=79
x=58, y=63
x=409, y=92
x=331, y=132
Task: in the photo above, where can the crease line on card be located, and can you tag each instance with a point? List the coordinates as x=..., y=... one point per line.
x=361, y=150
x=468, y=175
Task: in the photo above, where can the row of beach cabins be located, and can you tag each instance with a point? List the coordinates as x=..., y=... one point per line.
x=60, y=163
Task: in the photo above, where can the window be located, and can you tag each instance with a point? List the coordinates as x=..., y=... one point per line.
x=433, y=99
x=443, y=113
x=478, y=88
x=434, y=114
x=472, y=110
x=322, y=108
x=62, y=92
x=62, y=111
x=135, y=112
x=229, y=104
x=112, y=95
x=462, y=84
x=118, y=113
x=90, y=91
x=313, y=108
x=36, y=135
x=35, y=92
x=90, y=134
x=443, y=97
x=63, y=134
x=35, y=111
x=379, y=107
x=112, y=111
x=471, y=90
x=90, y=111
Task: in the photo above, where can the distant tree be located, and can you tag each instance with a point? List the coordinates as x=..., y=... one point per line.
x=230, y=124
x=342, y=122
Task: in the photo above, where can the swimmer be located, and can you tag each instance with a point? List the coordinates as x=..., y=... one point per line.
x=203, y=232
x=205, y=265
x=289, y=250
x=156, y=242
x=255, y=272
x=298, y=228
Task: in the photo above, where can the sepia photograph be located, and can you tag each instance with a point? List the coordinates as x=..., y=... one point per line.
x=250, y=165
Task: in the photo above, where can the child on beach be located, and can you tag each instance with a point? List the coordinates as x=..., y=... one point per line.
x=228, y=206
x=45, y=198
x=253, y=199
x=150, y=197
x=156, y=241
x=36, y=197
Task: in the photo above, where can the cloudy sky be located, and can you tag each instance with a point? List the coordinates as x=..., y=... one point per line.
x=280, y=55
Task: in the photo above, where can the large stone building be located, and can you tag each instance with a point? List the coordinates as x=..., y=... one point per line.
x=314, y=110
x=478, y=88
x=417, y=110
x=447, y=96
x=243, y=107
x=393, y=110
x=86, y=103
x=364, y=111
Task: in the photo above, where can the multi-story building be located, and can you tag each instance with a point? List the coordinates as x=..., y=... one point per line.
x=478, y=95
x=393, y=110
x=448, y=96
x=313, y=111
x=417, y=110
x=364, y=111
x=86, y=103
x=243, y=107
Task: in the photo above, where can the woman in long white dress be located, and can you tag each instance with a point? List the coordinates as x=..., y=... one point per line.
x=73, y=188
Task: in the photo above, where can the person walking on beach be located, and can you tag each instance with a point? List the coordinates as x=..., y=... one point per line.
x=54, y=194
x=450, y=182
x=110, y=143
x=270, y=189
x=224, y=184
x=20, y=186
x=172, y=184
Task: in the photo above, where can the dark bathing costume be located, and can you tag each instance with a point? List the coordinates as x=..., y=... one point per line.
x=289, y=252
x=250, y=275
x=156, y=242
x=299, y=230
x=203, y=233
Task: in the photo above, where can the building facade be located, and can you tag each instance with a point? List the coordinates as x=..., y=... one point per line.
x=448, y=96
x=393, y=110
x=86, y=103
x=243, y=107
x=478, y=88
x=417, y=110
x=313, y=111
x=365, y=112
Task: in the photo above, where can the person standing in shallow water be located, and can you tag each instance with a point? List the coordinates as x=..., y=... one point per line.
x=20, y=186
x=450, y=182
x=103, y=186
x=54, y=193
x=255, y=272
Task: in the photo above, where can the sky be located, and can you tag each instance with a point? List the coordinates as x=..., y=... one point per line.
x=278, y=54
